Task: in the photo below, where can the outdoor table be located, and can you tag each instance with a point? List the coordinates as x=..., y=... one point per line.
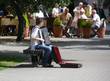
x=7, y=21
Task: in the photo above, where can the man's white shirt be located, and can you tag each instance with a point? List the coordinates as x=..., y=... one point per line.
x=96, y=20
x=34, y=35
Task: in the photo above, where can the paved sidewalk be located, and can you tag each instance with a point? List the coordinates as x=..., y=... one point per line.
x=93, y=54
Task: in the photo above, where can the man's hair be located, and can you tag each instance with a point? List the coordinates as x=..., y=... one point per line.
x=80, y=3
x=38, y=20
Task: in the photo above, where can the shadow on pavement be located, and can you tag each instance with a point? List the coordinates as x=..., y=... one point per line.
x=75, y=65
x=16, y=56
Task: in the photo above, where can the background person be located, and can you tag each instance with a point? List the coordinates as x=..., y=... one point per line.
x=55, y=10
x=66, y=19
x=96, y=22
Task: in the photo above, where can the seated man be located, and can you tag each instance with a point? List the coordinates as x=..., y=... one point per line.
x=37, y=42
x=96, y=22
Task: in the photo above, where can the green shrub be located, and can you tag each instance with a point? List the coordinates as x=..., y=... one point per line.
x=83, y=23
x=89, y=23
x=57, y=22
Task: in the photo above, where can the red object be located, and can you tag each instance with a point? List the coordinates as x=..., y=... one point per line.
x=57, y=58
x=57, y=55
x=101, y=32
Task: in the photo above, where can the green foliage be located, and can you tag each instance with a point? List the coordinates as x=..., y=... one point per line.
x=57, y=22
x=18, y=7
x=89, y=23
x=32, y=5
x=10, y=60
x=83, y=23
x=106, y=3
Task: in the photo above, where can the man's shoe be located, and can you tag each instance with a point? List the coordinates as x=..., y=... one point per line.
x=34, y=65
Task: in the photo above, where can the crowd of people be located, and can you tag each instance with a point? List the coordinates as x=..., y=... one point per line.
x=69, y=21
x=82, y=11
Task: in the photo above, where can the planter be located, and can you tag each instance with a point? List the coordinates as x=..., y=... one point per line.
x=101, y=32
x=57, y=31
x=85, y=27
x=86, y=32
x=80, y=32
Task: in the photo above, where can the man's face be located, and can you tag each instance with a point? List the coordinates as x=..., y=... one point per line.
x=56, y=5
x=66, y=10
x=93, y=12
x=80, y=4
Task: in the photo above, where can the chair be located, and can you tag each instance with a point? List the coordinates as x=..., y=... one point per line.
x=36, y=55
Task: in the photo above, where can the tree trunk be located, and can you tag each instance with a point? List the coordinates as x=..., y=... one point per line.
x=21, y=20
x=21, y=26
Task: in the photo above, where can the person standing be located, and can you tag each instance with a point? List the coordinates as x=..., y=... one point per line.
x=77, y=10
x=55, y=10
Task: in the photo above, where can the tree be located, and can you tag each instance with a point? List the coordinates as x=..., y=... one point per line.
x=106, y=4
x=21, y=6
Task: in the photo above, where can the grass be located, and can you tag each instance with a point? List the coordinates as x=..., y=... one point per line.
x=10, y=60
x=7, y=64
